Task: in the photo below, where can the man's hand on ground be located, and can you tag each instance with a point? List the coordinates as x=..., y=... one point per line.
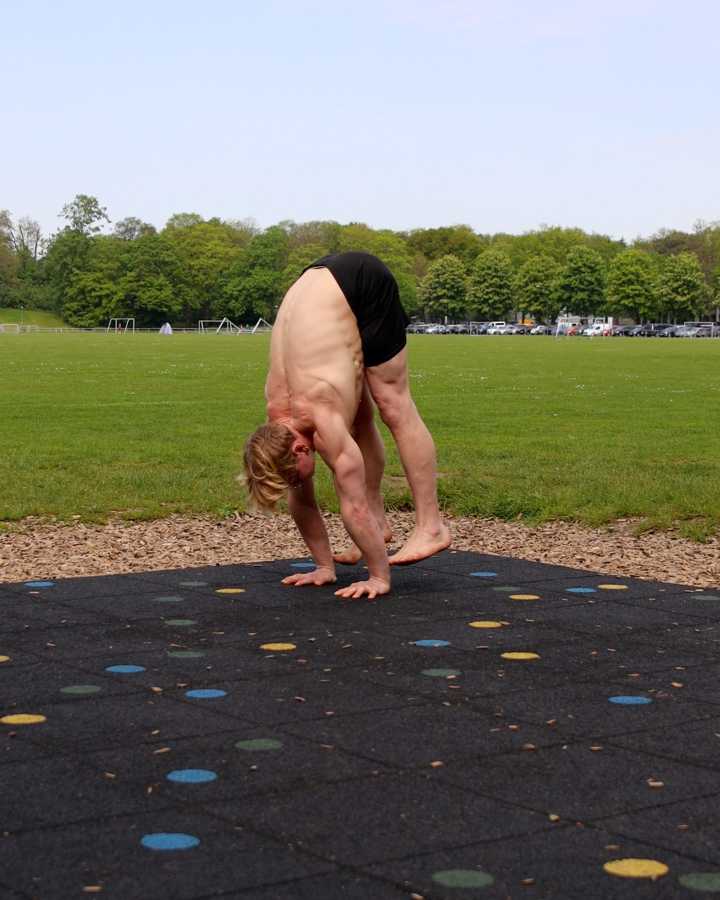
x=321, y=575
x=373, y=588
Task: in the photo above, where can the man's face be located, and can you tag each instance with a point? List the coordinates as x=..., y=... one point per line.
x=305, y=465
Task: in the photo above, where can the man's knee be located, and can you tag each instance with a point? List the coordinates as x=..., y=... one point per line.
x=394, y=408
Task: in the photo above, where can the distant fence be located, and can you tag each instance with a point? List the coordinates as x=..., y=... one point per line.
x=13, y=328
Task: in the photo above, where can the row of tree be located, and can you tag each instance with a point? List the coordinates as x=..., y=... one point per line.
x=195, y=268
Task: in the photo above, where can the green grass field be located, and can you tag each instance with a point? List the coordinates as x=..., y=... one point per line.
x=142, y=426
x=30, y=317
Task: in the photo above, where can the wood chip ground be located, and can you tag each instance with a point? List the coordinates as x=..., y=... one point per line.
x=37, y=549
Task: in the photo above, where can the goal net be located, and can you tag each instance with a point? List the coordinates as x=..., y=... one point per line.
x=9, y=328
x=121, y=325
x=218, y=326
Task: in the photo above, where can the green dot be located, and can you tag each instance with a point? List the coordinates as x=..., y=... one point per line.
x=171, y=598
x=708, y=882
x=186, y=654
x=506, y=589
x=180, y=623
x=463, y=878
x=440, y=673
x=81, y=690
x=706, y=597
x=259, y=744
x=193, y=584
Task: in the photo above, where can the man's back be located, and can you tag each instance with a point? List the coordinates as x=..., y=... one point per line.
x=315, y=352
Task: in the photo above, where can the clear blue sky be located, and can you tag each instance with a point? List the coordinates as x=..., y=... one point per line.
x=405, y=114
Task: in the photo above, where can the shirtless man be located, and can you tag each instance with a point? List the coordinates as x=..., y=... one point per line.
x=338, y=344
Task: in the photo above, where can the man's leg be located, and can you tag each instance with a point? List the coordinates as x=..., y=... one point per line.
x=390, y=389
x=371, y=446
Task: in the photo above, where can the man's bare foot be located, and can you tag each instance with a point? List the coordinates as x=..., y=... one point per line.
x=351, y=555
x=422, y=544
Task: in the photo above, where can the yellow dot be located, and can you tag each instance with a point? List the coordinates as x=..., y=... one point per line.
x=613, y=587
x=519, y=655
x=636, y=868
x=524, y=596
x=230, y=591
x=4, y=659
x=486, y=624
x=278, y=648
x=22, y=719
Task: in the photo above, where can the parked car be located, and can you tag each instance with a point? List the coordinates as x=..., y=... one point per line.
x=436, y=329
x=541, y=329
x=623, y=330
x=496, y=327
x=597, y=329
x=479, y=327
x=521, y=329
x=417, y=328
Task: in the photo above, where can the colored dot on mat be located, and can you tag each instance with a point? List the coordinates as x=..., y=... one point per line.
x=524, y=597
x=81, y=690
x=205, y=694
x=581, y=590
x=259, y=744
x=168, y=841
x=636, y=868
x=230, y=591
x=186, y=654
x=706, y=597
x=278, y=648
x=701, y=881
x=483, y=574
x=506, y=589
x=4, y=659
x=613, y=587
x=191, y=776
x=440, y=673
x=303, y=565
x=180, y=623
x=485, y=623
x=39, y=584
x=23, y=719
x=519, y=655
x=125, y=670
x=171, y=598
x=629, y=700
x=463, y=878
x=431, y=643
x=193, y=583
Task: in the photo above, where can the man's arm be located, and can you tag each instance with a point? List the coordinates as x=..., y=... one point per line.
x=336, y=446
x=305, y=512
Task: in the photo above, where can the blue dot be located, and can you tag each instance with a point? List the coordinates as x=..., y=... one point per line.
x=39, y=584
x=191, y=776
x=581, y=590
x=125, y=670
x=483, y=574
x=205, y=694
x=303, y=565
x=629, y=700
x=431, y=643
x=163, y=840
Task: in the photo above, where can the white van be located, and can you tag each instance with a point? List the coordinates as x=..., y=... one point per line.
x=496, y=328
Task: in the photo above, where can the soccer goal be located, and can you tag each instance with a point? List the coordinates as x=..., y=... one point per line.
x=705, y=329
x=121, y=325
x=261, y=325
x=9, y=328
x=218, y=326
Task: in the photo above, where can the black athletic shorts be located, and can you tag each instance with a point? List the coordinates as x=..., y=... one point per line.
x=372, y=294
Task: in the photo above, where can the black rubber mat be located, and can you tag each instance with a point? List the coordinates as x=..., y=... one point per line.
x=493, y=728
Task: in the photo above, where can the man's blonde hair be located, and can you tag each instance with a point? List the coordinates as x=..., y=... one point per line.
x=270, y=465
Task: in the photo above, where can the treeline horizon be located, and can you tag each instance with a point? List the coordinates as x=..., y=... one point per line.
x=195, y=268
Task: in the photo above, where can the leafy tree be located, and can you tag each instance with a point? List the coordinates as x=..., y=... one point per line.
x=253, y=284
x=84, y=214
x=683, y=290
x=152, y=287
x=443, y=290
x=458, y=240
x=632, y=286
x=581, y=285
x=298, y=259
x=490, y=287
x=392, y=249
x=183, y=220
x=131, y=228
x=536, y=287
